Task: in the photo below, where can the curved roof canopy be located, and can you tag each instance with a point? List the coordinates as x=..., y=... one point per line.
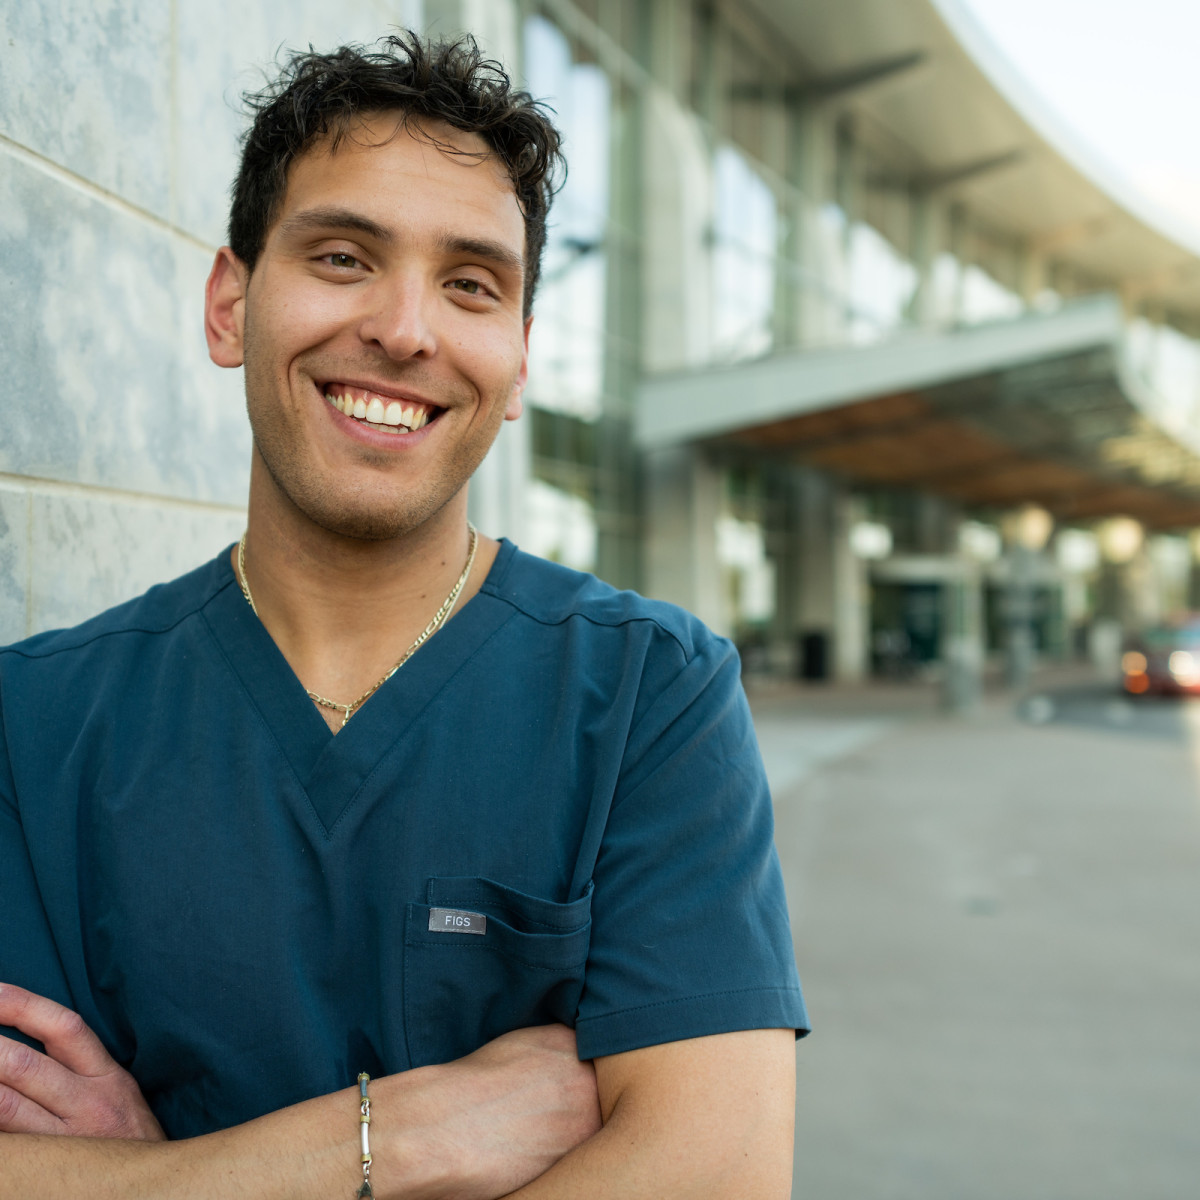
x=966, y=121
x=1041, y=408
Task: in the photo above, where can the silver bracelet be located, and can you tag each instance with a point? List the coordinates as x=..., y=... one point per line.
x=364, y=1125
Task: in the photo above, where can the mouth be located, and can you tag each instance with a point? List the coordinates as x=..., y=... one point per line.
x=387, y=414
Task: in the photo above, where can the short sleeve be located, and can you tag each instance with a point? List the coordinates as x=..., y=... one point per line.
x=690, y=932
x=28, y=956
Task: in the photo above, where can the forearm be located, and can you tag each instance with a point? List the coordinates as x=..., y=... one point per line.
x=308, y=1150
x=620, y=1163
x=474, y=1129
x=707, y=1119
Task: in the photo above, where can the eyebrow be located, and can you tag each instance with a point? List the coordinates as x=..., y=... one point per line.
x=485, y=248
x=336, y=218
x=448, y=243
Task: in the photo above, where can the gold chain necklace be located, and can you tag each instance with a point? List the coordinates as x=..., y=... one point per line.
x=439, y=618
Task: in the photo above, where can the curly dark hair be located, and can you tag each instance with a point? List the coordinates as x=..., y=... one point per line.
x=321, y=96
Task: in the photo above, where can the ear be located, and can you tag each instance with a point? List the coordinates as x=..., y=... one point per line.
x=225, y=308
x=514, y=408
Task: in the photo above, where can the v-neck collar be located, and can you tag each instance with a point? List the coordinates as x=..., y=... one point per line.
x=332, y=768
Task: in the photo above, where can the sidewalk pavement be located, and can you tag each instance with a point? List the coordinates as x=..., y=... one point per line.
x=996, y=924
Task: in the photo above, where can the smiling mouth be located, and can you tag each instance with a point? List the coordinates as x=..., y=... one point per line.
x=384, y=413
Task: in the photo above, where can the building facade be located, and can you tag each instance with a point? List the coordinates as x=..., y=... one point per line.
x=841, y=343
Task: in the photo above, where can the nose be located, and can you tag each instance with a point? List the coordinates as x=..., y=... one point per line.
x=398, y=318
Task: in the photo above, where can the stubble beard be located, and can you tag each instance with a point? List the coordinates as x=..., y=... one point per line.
x=360, y=510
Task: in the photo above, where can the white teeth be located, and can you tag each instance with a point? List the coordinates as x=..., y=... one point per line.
x=375, y=412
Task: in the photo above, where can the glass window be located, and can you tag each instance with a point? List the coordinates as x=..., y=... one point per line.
x=986, y=299
x=568, y=341
x=743, y=258
x=945, y=281
x=748, y=573
x=560, y=526
x=882, y=283
x=1168, y=362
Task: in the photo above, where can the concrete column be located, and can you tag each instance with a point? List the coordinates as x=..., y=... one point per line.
x=683, y=496
x=960, y=243
x=851, y=594
x=677, y=214
x=929, y=237
x=670, y=32
x=812, y=594
x=963, y=649
x=827, y=590
x=817, y=313
x=790, y=280
x=1020, y=647
x=1031, y=274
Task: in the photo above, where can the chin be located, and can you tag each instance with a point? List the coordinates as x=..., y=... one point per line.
x=368, y=526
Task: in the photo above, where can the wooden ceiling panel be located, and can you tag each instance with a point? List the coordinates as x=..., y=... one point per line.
x=834, y=423
x=914, y=455
x=909, y=440
x=1012, y=482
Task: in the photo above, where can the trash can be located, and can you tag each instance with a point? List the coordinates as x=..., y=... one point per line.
x=814, y=656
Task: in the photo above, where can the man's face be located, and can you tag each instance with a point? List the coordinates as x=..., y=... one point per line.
x=382, y=327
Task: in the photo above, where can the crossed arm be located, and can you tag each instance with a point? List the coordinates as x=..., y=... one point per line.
x=522, y=1117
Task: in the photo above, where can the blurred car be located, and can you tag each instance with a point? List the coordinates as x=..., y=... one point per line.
x=1164, y=660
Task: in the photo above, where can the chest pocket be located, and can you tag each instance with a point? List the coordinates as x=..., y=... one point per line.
x=462, y=989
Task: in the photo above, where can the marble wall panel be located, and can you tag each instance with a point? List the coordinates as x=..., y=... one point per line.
x=87, y=84
x=226, y=47
x=14, y=562
x=107, y=378
x=91, y=551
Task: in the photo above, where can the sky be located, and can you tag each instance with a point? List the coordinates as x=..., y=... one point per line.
x=1123, y=74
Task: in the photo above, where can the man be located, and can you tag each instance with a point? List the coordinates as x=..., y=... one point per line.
x=372, y=793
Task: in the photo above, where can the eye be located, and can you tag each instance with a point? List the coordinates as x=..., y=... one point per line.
x=471, y=287
x=346, y=261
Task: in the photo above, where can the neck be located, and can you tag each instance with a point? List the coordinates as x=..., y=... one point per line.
x=343, y=610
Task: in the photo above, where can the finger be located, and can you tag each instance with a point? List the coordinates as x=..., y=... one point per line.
x=19, y=1114
x=37, y=1080
x=63, y=1032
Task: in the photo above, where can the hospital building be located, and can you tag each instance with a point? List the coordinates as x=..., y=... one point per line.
x=844, y=342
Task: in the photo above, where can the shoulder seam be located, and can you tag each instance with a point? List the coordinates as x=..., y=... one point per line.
x=614, y=624
x=107, y=633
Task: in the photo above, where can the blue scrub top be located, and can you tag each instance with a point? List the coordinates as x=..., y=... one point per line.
x=250, y=911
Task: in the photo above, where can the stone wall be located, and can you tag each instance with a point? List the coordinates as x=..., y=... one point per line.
x=124, y=453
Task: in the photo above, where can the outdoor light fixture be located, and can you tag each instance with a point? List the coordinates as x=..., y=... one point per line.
x=1029, y=527
x=1078, y=551
x=870, y=540
x=979, y=542
x=1120, y=539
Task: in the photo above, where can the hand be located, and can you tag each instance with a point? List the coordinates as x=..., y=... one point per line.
x=501, y=1116
x=75, y=1088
